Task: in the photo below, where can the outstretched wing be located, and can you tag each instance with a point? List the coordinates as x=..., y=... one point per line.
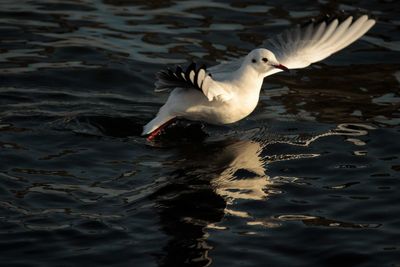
x=299, y=47
x=192, y=78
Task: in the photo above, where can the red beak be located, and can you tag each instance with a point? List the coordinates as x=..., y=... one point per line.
x=280, y=66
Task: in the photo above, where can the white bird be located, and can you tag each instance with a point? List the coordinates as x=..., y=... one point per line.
x=228, y=92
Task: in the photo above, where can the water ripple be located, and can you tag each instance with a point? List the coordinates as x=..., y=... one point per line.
x=309, y=178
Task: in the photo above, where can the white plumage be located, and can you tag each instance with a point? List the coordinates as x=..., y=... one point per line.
x=228, y=92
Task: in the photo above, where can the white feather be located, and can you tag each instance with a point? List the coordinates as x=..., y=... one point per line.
x=326, y=40
x=200, y=77
x=191, y=76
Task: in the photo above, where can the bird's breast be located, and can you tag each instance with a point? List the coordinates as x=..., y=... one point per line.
x=243, y=105
x=233, y=110
x=194, y=106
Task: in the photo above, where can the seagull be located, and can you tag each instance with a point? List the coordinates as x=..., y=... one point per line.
x=229, y=92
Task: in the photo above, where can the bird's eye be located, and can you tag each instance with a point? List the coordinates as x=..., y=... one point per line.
x=253, y=60
x=265, y=59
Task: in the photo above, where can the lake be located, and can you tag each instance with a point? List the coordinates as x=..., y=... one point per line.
x=310, y=178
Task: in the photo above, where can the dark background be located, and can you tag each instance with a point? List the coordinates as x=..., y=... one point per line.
x=311, y=178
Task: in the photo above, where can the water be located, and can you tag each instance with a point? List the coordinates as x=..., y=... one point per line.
x=309, y=179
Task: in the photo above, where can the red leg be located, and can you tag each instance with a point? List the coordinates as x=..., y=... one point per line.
x=154, y=133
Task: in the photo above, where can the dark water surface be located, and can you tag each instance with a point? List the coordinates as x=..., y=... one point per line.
x=311, y=178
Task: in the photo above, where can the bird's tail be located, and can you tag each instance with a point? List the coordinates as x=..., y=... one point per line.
x=161, y=119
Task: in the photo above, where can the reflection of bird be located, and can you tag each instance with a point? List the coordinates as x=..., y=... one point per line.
x=244, y=157
x=229, y=92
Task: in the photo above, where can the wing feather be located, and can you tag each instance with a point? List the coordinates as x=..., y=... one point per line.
x=192, y=78
x=320, y=30
x=337, y=34
x=360, y=32
x=302, y=46
x=200, y=75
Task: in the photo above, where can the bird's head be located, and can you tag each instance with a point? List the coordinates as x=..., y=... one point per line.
x=263, y=60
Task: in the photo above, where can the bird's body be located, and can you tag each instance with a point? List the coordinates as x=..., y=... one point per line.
x=229, y=92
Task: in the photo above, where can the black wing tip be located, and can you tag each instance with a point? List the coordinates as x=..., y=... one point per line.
x=181, y=76
x=178, y=69
x=192, y=65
